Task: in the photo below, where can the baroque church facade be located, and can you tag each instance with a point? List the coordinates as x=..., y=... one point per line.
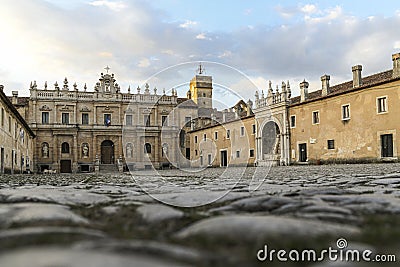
x=77, y=130
x=74, y=130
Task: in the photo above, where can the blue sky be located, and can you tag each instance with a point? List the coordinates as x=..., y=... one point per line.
x=47, y=40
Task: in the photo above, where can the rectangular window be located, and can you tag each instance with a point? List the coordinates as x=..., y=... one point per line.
x=382, y=104
x=65, y=118
x=45, y=117
x=216, y=135
x=107, y=119
x=331, y=144
x=346, y=112
x=315, y=117
x=85, y=118
x=251, y=153
x=146, y=120
x=9, y=124
x=293, y=121
x=253, y=127
x=237, y=154
x=209, y=159
x=128, y=120
x=195, y=139
x=242, y=131
x=228, y=134
x=164, y=120
x=205, y=137
x=188, y=119
x=195, y=152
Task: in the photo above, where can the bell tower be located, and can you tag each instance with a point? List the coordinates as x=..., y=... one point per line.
x=201, y=89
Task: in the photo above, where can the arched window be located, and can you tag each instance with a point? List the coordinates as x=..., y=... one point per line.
x=147, y=148
x=65, y=147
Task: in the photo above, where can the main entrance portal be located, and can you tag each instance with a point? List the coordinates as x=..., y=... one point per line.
x=107, y=152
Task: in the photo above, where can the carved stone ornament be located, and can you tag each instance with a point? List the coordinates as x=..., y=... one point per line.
x=85, y=109
x=146, y=111
x=45, y=108
x=164, y=112
x=107, y=109
x=65, y=107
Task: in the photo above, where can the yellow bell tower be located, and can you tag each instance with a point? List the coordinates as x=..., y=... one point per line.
x=201, y=89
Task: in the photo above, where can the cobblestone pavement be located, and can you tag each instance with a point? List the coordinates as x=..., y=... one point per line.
x=109, y=220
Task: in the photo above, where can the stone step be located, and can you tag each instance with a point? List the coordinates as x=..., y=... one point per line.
x=108, y=168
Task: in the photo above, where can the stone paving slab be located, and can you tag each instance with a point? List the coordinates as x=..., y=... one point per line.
x=90, y=218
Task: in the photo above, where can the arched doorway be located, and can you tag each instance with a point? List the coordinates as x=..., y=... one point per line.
x=107, y=152
x=271, y=142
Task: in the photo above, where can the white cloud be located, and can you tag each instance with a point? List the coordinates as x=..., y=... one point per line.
x=309, y=9
x=248, y=11
x=396, y=45
x=188, y=24
x=45, y=43
x=202, y=36
x=144, y=63
x=325, y=16
x=115, y=6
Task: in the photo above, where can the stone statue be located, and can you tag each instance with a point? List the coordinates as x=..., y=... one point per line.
x=165, y=149
x=129, y=151
x=45, y=149
x=85, y=150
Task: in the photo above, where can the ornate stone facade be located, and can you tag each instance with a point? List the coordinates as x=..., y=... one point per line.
x=77, y=129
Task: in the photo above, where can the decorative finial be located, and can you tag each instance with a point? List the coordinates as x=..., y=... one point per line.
x=269, y=85
x=45, y=85
x=163, y=91
x=75, y=86
x=34, y=85
x=65, y=84
x=155, y=90
x=138, y=89
x=146, y=90
x=56, y=86
x=200, y=69
x=129, y=89
x=107, y=68
x=85, y=87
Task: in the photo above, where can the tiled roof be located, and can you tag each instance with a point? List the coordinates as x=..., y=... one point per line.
x=347, y=87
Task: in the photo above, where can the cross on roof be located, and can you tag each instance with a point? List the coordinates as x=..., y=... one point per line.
x=107, y=68
x=200, y=70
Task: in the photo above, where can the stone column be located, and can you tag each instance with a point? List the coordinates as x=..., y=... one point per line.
x=55, y=153
x=75, y=152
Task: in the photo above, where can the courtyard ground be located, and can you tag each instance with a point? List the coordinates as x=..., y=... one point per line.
x=205, y=218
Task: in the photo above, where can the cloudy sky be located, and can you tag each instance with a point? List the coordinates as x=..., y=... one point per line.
x=47, y=40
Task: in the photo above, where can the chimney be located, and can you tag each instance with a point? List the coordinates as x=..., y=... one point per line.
x=357, y=80
x=325, y=84
x=396, y=65
x=14, y=97
x=303, y=91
